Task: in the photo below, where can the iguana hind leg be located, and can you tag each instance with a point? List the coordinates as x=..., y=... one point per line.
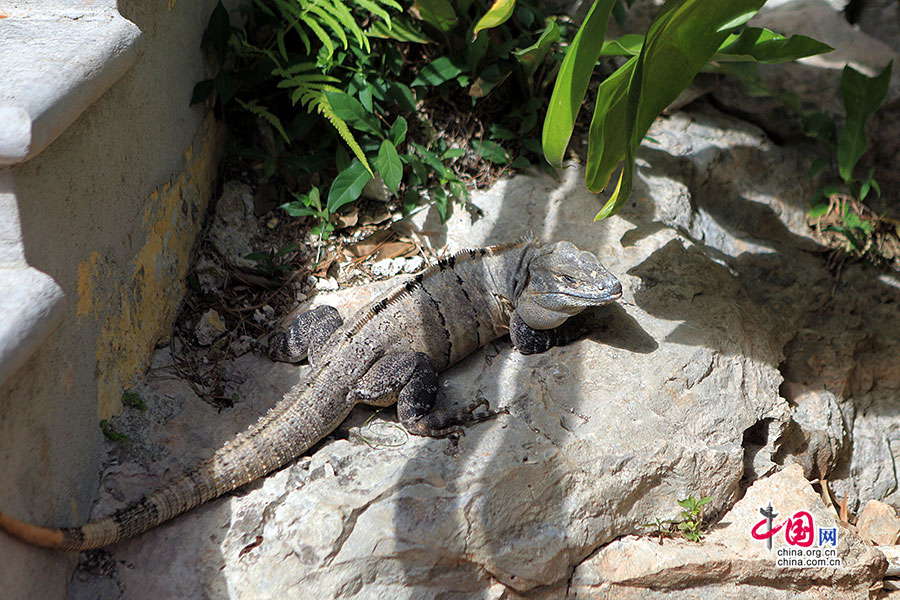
x=305, y=336
x=410, y=378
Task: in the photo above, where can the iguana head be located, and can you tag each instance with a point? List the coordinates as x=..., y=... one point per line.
x=562, y=282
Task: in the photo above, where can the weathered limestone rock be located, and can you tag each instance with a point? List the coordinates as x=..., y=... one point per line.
x=879, y=522
x=234, y=227
x=730, y=563
x=677, y=391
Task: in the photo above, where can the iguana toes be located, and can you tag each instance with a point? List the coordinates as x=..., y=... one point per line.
x=389, y=351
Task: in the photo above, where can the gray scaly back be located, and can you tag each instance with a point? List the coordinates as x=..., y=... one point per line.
x=388, y=352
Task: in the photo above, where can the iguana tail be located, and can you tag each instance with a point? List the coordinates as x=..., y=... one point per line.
x=288, y=431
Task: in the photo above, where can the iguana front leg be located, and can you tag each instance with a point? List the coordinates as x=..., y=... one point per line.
x=305, y=336
x=410, y=378
x=527, y=340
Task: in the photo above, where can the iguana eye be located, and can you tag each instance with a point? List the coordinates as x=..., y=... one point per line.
x=568, y=279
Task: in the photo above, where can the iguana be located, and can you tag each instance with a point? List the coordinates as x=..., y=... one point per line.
x=389, y=351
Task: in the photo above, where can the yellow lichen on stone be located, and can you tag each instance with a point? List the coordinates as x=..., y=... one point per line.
x=87, y=274
x=138, y=313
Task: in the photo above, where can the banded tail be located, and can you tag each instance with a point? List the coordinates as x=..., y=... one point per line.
x=276, y=439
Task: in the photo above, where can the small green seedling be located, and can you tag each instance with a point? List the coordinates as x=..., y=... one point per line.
x=662, y=528
x=134, y=401
x=692, y=517
x=111, y=434
x=267, y=262
x=690, y=523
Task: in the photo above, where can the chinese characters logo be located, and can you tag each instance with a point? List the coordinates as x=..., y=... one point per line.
x=800, y=535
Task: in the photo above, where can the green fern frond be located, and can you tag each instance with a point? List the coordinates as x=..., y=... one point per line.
x=340, y=11
x=307, y=80
x=309, y=94
x=320, y=33
x=326, y=20
x=253, y=106
x=323, y=107
x=392, y=3
x=296, y=68
x=376, y=10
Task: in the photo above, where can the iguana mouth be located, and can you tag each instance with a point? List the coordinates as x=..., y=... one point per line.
x=591, y=299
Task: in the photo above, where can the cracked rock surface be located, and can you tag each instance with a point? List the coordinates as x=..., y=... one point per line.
x=735, y=355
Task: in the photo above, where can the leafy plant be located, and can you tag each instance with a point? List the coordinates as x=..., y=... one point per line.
x=111, y=434
x=683, y=38
x=367, y=75
x=690, y=525
x=268, y=262
x=134, y=400
x=837, y=212
x=506, y=52
x=691, y=517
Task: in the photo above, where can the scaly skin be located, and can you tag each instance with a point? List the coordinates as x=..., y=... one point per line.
x=388, y=352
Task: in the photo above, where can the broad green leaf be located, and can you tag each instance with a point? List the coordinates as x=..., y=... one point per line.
x=431, y=159
x=224, y=85
x=491, y=151
x=499, y=132
x=352, y=111
x=862, y=95
x=738, y=20
x=365, y=98
x=877, y=189
x=572, y=81
x=864, y=189
x=440, y=202
x=766, y=46
x=817, y=166
x=347, y=186
x=680, y=41
x=218, y=32
x=609, y=135
x=489, y=79
x=475, y=51
x=520, y=162
x=389, y=165
x=533, y=56
x=628, y=45
x=437, y=72
x=819, y=210
x=437, y=13
x=202, y=91
x=398, y=131
x=297, y=209
x=500, y=11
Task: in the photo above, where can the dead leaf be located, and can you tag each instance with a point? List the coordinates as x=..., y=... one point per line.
x=395, y=249
x=348, y=220
x=323, y=266
x=368, y=246
x=378, y=217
